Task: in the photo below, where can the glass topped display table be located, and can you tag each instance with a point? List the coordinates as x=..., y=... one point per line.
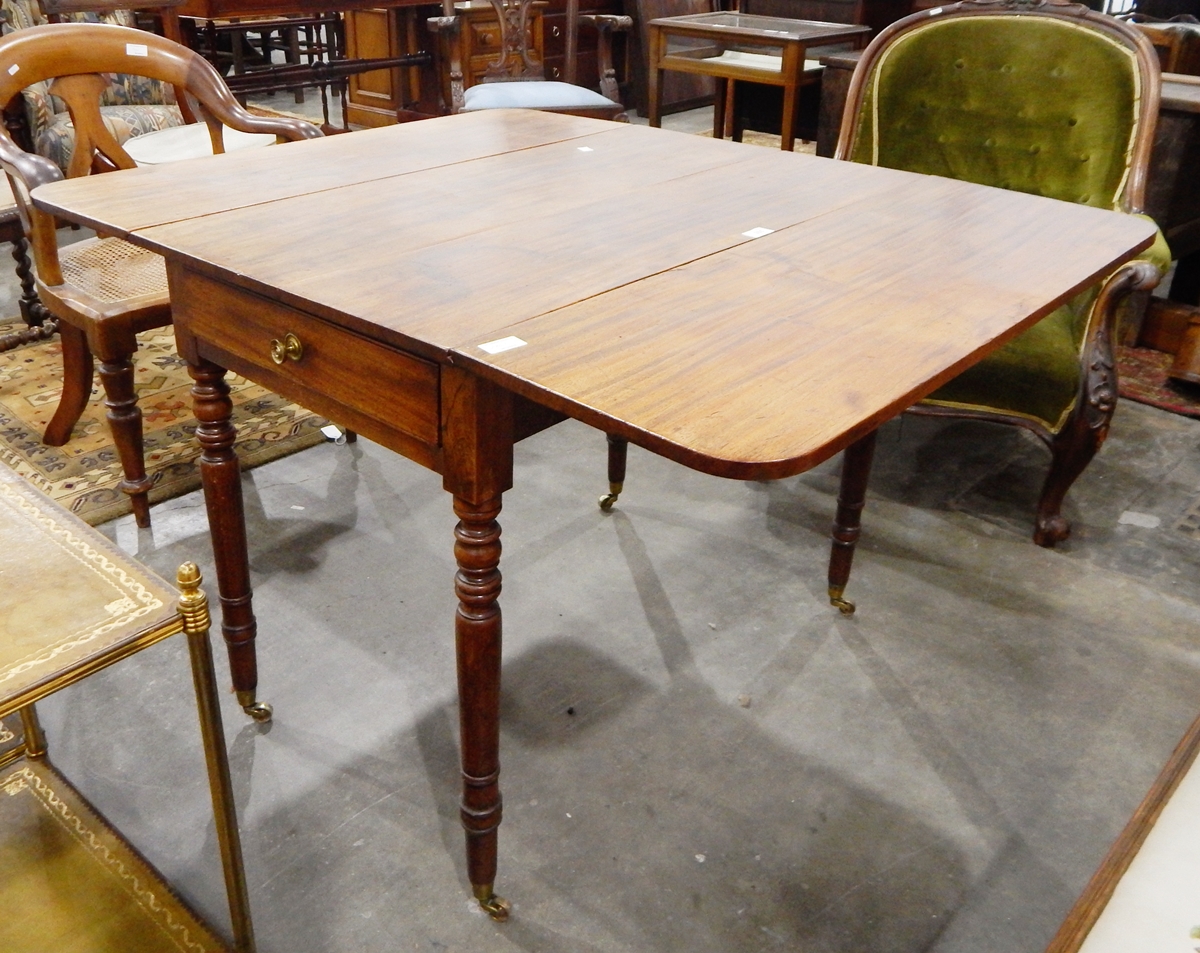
x=742, y=46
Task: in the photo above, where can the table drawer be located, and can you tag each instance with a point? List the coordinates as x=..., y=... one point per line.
x=382, y=383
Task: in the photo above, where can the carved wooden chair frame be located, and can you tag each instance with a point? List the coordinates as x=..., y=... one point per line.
x=514, y=19
x=1078, y=439
x=74, y=56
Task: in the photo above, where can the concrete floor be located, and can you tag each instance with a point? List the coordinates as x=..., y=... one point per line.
x=744, y=769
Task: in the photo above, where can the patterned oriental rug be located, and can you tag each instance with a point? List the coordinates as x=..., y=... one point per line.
x=1142, y=376
x=83, y=475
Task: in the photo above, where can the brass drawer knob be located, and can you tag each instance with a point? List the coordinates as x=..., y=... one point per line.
x=290, y=346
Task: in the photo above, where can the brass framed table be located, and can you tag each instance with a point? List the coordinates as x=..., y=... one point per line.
x=732, y=46
x=72, y=604
x=753, y=313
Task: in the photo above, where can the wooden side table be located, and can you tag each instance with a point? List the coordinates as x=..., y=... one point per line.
x=71, y=604
x=742, y=46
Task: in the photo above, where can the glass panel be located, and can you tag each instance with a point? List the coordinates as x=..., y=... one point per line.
x=731, y=50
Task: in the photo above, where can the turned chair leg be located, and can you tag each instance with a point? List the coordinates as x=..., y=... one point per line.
x=618, y=450
x=78, y=370
x=33, y=312
x=125, y=422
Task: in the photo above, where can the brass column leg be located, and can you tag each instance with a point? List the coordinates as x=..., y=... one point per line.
x=847, y=525
x=193, y=605
x=35, y=738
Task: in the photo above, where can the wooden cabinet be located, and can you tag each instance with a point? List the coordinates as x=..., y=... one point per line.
x=376, y=97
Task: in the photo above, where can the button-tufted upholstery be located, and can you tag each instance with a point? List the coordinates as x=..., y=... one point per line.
x=1043, y=98
x=130, y=106
x=1034, y=105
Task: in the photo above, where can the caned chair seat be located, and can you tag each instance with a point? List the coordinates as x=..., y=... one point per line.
x=533, y=95
x=112, y=271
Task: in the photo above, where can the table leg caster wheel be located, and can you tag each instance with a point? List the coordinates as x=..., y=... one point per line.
x=836, y=600
x=606, y=502
x=259, y=711
x=495, y=907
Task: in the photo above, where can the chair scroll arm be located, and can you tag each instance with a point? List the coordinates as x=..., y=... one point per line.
x=1098, y=382
x=450, y=25
x=222, y=109
x=606, y=24
x=26, y=172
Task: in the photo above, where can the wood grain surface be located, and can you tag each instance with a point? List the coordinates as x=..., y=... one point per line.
x=646, y=309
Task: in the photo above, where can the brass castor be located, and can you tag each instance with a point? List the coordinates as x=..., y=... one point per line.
x=495, y=907
x=259, y=711
x=614, y=490
x=836, y=600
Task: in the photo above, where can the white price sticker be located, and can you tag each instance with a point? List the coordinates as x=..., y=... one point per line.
x=757, y=232
x=502, y=345
x=136, y=49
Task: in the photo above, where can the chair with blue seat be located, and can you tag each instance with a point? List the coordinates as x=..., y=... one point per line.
x=516, y=79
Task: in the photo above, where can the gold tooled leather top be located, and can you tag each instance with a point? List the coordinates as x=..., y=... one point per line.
x=68, y=596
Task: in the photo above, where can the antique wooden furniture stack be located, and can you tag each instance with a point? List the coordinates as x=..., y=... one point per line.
x=495, y=318
x=502, y=69
x=74, y=604
x=104, y=290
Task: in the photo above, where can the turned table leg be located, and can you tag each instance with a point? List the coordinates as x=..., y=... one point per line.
x=221, y=474
x=477, y=440
x=477, y=629
x=125, y=423
x=856, y=470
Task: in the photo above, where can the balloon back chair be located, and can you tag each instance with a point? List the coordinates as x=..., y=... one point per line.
x=103, y=290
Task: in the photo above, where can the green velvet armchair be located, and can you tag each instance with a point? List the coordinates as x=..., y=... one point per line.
x=1047, y=98
x=1039, y=96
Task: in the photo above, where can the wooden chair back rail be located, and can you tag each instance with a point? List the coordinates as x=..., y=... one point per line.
x=514, y=17
x=86, y=51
